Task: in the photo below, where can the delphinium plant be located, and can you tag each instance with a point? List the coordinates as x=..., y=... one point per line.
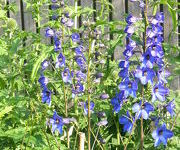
x=142, y=102
x=71, y=78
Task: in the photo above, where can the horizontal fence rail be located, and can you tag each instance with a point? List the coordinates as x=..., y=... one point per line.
x=120, y=7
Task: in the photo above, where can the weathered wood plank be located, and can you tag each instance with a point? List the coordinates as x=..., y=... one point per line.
x=17, y=14
x=134, y=9
x=168, y=27
x=119, y=15
x=29, y=22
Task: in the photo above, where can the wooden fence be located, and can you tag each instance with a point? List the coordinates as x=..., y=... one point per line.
x=120, y=7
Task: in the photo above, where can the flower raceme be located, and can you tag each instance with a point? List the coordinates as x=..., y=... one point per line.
x=150, y=72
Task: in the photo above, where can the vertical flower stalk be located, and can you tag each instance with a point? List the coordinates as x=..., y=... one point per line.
x=91, y=47
x=149, y=73
x=144, y=50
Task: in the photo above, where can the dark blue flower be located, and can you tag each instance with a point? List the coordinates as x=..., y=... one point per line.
x=159, y=92
x=81, y=62
x=128, y=53
x=161, y=135
x=162, y=74
x=57, y=123
x=43, y=81
x=78, y=88
x=80, y=76
x=69, y=23
x=44, y=64
x=147, y=60
x=57, y=44
x=86, y=107
x=60, y=62
x=127, y=121
x=55, y=17
x=129, y=30
x=131, y=19
x=79, y=50
x=124, y=73
x=66, y=76
x=46, y=96
x=54, y=6
x=49, y=32
x=75, y=37
x=160, y=17
x=64, y=20
x=117, y=101
x=170, y=108
x=104, y=96
x=145, y=75
x=142, y=109
x=129, y=87
x=124, y=64
x=156, y=51
x=160, y=63
x=156, y=40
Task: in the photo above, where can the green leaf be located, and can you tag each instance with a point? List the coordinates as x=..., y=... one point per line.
x=15, y=45
x=6, y=110
x=37, y=65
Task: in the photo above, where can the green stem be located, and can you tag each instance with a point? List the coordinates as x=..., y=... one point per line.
x=88, y=84
x=118, y=133
x=91, y=47
x=76, y=17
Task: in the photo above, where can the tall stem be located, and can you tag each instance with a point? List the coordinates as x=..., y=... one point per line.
x=144, y=50
x=88, y=84
x=76, y=17
x=91, y=47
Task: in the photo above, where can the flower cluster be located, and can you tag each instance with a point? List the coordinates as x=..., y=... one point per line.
x=56, y=121
x=150, y=70
x=80, y=59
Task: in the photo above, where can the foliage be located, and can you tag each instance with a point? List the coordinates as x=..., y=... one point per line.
x=24, y=118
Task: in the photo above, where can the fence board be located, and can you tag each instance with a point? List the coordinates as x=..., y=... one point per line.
x=29, y=22
x=16, y=15
x=120, y=7
x=168, y=26
x=118, y=14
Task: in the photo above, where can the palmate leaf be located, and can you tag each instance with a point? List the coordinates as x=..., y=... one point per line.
x=6, y=110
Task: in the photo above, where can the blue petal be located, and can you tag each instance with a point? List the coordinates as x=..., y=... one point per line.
x=122, y=86
x=60, y=129
x=157, y=142
x=163, y=140
x=136, y=107
x=160, y=97
x=123, y=120
x=144, y=114
x=153, y=98
x=155, y=134
x=148, y=107
x=167, y=134
x=133, y=94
